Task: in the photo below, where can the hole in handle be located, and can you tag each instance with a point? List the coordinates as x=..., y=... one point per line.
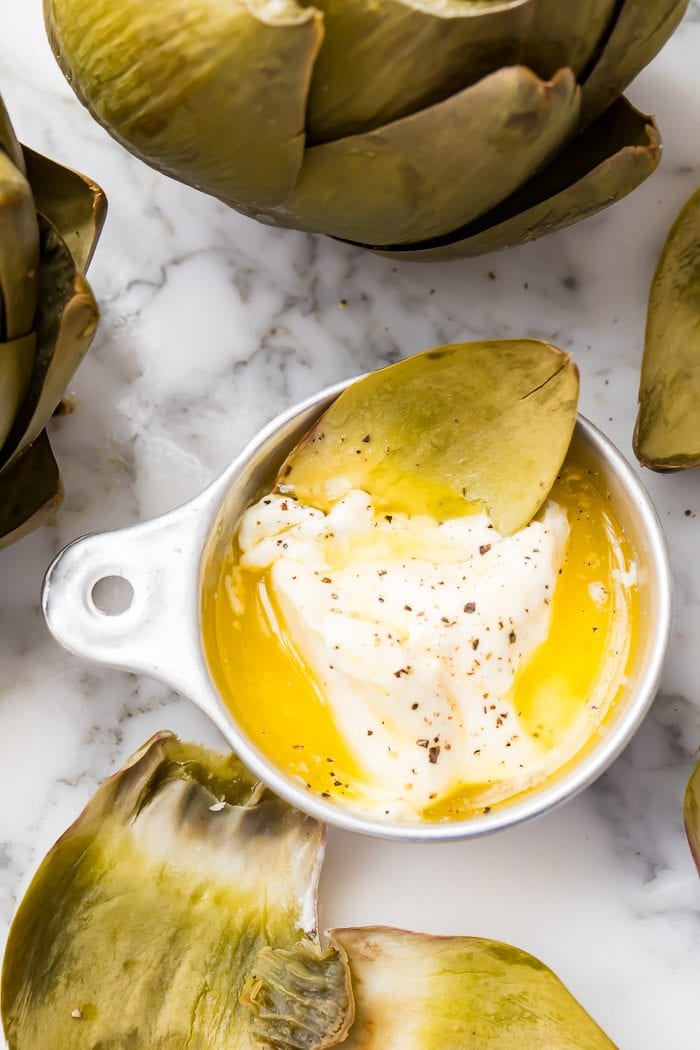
x=112, y=595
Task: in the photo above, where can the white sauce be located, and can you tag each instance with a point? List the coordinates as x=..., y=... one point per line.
x=414, y=631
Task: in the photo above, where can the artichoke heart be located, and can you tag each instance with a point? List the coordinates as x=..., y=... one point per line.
x=395, y=125
x=667, y=434
x=485, y=423
x=150, y=922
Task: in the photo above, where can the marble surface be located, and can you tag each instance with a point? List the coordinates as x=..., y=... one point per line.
x=211, y=325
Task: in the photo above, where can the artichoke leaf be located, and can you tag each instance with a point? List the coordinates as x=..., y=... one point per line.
x=212, y=93
x=16, y=361
x=66, y=320
x=406, y=55
x=74, y=205
x=8, y=139
x=600, y=166
x=637, y=34
x=429, y=173
x=19, y=257
x=486, y=424
x=414, y=991
x=667, y=434
x=691, y=810
x=562, y=34
x=30, y=491
x=147, y=919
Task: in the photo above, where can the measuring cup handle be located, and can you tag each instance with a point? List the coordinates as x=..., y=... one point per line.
x=158, y=633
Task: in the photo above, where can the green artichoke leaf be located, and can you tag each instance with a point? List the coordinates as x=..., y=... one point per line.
x=19, y=252
x=66, y=320
x=30, y=491
x=16, y=361
x=561, y=34
x=640, y=30
x=406, y=55
x=691, y=809
x=74, y=205
x=438, y=169
x=212, y=93
x=600, y=166
x=667, y=434
x=418, y=992
x=8, y=139
x=146, y=921
x=486, y=424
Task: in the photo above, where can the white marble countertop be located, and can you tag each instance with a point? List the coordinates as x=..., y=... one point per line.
x=211, y=325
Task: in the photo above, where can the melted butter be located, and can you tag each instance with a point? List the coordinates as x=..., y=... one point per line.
x=572, y=678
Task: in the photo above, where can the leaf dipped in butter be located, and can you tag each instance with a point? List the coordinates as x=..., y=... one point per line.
x=418, y=992
x=485, y=423
x=692, y=815
x=149, y=919
x=667, y=434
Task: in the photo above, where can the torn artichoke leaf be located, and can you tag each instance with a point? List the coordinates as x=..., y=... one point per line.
x=485, y=424
x=74, y=205
x=213, y=94
x=147, y=919
x=414, y=991
x=667, y=433
x=691, y=812
x=599, y=167
x=366, y=187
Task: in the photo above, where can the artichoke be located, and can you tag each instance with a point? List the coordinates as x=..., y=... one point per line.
x=485, y=423
x=667, y=434
x=691, y=812
x=50, y=218
x=180, y=911
x=420, y=128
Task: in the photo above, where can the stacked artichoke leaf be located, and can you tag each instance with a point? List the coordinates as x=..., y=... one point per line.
x=50, y=218
x=179, y=910
x=420, y=128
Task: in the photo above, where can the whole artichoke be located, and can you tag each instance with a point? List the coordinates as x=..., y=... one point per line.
x=420, y=128
x=50, y=218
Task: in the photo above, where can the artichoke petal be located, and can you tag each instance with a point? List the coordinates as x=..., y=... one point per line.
x=485, y=423
x=31, y=491
x=637, y=34
x=422, y=176
x=692, y=815
x=67, y=316
x=561, y=34
x=146, y=920
x=16, y=360
x=667, y=434
x=406, y=55
x=600, y=166
x=415, y=992
x=212, y=93
x=19, y=254
x=74, y=205
x=8, y=139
